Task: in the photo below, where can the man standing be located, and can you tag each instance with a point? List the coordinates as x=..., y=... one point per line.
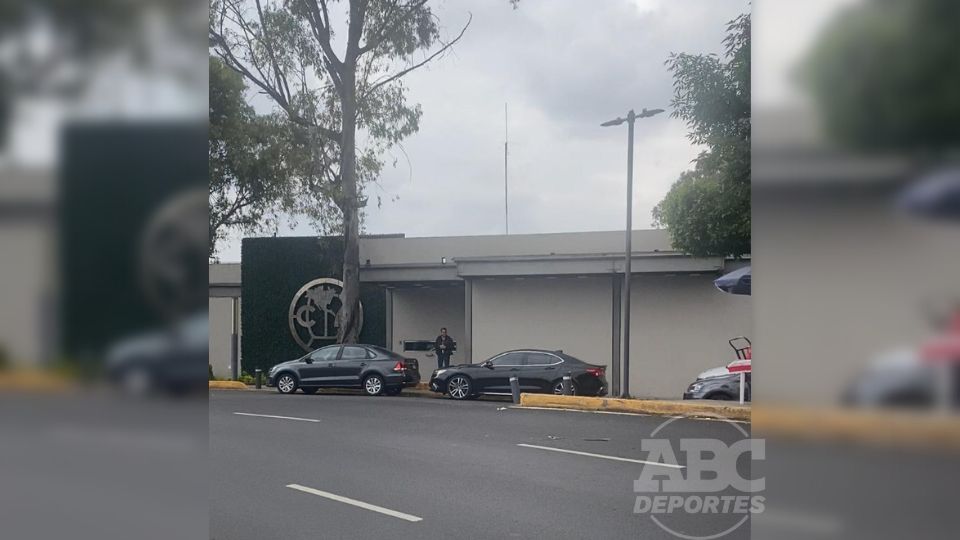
x=444, y=348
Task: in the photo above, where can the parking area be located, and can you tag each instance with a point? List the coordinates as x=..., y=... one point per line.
x=347, y=466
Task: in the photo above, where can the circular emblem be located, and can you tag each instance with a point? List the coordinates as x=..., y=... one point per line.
x=172, y=274
x=313, y=313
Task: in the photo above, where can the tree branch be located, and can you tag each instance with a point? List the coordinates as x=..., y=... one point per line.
x=418, y=65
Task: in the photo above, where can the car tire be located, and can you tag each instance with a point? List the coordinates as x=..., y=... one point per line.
x=558, y=388
x=720, y=397
x=309, y=391
x=287, y=383
x=460, y=387
x=373, y=385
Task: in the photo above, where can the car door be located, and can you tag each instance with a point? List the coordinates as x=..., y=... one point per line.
x=316, y=371
x=496, y=378
x=347, y=369
x=539, y=371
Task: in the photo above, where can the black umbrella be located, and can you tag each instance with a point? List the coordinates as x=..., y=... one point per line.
x=736, y=282
x=935, y=196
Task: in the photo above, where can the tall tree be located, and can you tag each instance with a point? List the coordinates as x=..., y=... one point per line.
x=886, y=76
x=334, y=70
x=707, y=210
x=248, y=159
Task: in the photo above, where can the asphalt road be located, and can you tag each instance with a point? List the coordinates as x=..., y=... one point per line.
x=425, y=468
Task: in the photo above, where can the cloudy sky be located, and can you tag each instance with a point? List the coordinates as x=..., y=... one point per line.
x=563, y=66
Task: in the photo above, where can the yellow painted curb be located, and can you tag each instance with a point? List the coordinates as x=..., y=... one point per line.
x=33, y=381
x=641, y=406
x=874, y=427
x=227, y=385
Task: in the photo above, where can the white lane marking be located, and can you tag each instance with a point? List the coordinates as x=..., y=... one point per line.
x=280, y=417
x=601, y=456
x=354, y=502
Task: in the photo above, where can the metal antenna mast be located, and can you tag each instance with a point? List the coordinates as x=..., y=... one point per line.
x=506, y=207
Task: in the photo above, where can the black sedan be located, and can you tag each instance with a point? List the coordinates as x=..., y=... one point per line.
x=374, y=369
x=536, y=371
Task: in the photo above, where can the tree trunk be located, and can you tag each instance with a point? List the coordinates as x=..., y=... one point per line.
x=349, y=314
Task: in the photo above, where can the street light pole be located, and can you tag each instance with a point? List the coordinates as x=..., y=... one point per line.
x=628, y=250
x=628, y=253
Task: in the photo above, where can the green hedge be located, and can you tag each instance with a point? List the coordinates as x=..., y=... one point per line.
x=272, y=272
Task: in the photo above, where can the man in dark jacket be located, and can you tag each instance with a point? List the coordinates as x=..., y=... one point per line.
x=444, y=348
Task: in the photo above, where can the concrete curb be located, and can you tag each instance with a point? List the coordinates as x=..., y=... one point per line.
x=872, y=427
x=701, y=409
x=33, y=381
x=227, y=385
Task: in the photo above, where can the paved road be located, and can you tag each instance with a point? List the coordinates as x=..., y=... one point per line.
x=443, y=468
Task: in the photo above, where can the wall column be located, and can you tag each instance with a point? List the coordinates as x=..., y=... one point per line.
x=389, y=319
x=617, y=286
x=467, y=345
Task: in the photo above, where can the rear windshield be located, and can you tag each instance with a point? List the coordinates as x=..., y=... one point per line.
x=386, y=352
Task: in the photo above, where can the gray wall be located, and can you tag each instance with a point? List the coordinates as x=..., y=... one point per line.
x=679, y=326
x=569, y=313
x=836, y=292
x=420, y=312
x=221, y=320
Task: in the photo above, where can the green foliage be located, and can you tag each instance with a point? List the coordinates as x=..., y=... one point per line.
x=273, y=271
x=253, y=160
x=886, y=75
x=248, y=379
x=707, y=210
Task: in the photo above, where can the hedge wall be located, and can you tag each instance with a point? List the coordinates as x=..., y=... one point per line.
x=272, y=272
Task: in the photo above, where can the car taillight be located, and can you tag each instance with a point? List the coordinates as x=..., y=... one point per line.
x=399, y=366
x=595, y=371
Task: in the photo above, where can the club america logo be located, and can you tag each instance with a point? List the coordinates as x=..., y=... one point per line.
x=313, y=313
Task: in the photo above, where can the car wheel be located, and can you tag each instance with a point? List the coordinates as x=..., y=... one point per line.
x=373, y=385
x=720, y=397
x=460, y=387
x=558, y=388
x=286, y=384
x=309, y=391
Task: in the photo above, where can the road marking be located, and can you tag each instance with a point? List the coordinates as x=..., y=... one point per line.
x=601, y=456
x=280, y=417
x=355, y=502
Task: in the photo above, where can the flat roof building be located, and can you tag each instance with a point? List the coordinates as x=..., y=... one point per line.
x=493, y=293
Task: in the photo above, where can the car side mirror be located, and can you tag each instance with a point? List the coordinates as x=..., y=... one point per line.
x=308, y=360
x=488, y=364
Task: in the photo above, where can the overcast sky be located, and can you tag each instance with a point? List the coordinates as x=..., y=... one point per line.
x=563, y=66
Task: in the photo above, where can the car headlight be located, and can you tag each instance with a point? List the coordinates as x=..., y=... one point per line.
x=695, y=387
x=439, y=372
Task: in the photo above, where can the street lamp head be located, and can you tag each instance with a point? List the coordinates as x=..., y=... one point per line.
x=614, y=122
x=646, y=113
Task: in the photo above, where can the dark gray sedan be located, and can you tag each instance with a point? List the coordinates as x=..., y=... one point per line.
x=373, y=369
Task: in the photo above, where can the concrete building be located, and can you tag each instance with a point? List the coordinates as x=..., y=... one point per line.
x=551, y=291
x=224, y=313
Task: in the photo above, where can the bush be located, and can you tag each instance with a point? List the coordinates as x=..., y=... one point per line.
x=210, y=368
x=246, y=378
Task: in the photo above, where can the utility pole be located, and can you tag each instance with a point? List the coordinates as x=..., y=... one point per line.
x=628, y=249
